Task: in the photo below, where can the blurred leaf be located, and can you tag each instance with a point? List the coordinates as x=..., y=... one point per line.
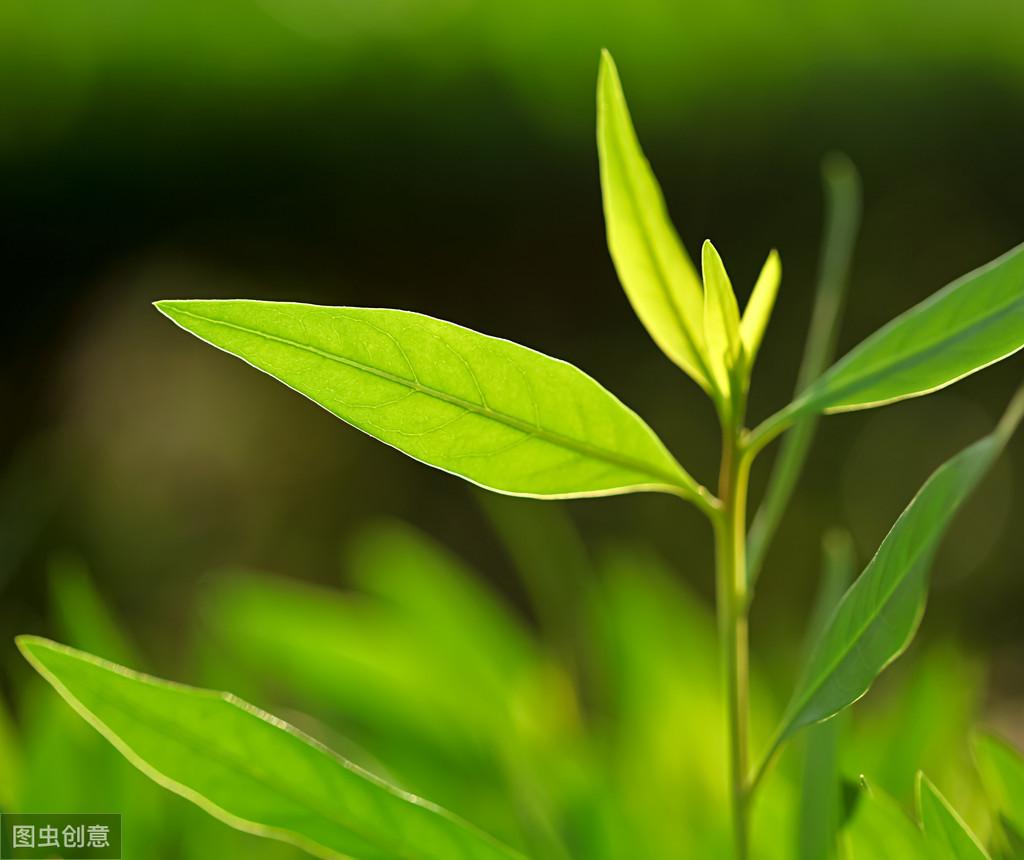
x=972, y=323
x=758, y=311
x=721, y=318
x=653, y=266
x=551, y=559
x=83, y=615
x=923, y=713
x=1002, y=773
x=820, y=792
x=842, y=218
x=879, y=830
x=943, y=827
x=11, y=762
x=493, y=412
x=878, y=616
x=250, y=769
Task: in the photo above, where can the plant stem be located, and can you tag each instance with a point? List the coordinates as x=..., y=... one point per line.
x=731, y=582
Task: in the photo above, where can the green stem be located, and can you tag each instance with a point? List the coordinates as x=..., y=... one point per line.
x=731, y=581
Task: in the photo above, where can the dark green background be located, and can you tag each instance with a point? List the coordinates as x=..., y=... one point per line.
x=440, y=157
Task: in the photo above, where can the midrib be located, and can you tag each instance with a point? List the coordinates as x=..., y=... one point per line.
x=551, y=436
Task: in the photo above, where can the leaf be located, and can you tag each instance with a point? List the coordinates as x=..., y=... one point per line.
x=878, y=616
x=498, y=414
x=1002, y=773
x=878, y=830
x=943, y=826
x=656, y=273
x=250, y=769
x=972, y=323
x=721, y=318
x=759, y=306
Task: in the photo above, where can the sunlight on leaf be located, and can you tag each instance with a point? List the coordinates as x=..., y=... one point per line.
x=721, y=318
x=943, y=826
x=488, y=410
x=252, y=770
x=759, y=307
x=656, y=273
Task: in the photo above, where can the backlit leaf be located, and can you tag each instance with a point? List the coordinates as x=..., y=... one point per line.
x=252, y=770
x=878, y=616
x=498, y=414
x=721, y=318
x=759, y=306
x=656, y=273
x=972, y=323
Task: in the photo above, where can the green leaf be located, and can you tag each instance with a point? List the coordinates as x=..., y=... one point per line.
x=1002, y=773
x=878, y=616
x=759, y=306
x=498, y=414
x=655, y=271
x=972, y=323
x=250, y=769
x=943, y=826
x=878, y=830
x=721, y=318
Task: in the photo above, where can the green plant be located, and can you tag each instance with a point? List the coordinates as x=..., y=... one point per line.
x=512, y=420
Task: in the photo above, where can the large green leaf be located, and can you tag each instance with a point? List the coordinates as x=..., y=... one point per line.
x=1002, y=772
x=878, y=616
x=250, y=769
x=972, y=323
x=656, y=273
x=943, y=826
x=493, y=412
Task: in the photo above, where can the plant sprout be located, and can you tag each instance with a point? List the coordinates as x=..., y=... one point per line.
x=518, y=422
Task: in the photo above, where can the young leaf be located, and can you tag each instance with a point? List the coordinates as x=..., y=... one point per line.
x=970, y=324
x=250, y=769
x=878, y=616
x=655, y=271
x=1002, y=773
x=943, y=826
x=759, y=306
x=721, y=318
x=496, y=413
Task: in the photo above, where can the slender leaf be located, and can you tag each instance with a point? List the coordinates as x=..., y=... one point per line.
x=878, y=616
x=972, y=323
x=820, y=790
x=759, y=306
x=943, y=826
x=721, y=318
x=656, y=273
x=498, y=414
x=250, y=769
x=1002, y=773
x=842, y=218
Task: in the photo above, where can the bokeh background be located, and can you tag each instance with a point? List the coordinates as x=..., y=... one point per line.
x=440, y=157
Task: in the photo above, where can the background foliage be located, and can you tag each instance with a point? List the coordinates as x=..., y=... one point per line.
x=440, y=157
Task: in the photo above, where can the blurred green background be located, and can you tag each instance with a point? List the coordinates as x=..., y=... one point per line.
x=440, y=157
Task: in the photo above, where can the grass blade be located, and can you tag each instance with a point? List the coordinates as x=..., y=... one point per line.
x=842, y=219
x=943, y=826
